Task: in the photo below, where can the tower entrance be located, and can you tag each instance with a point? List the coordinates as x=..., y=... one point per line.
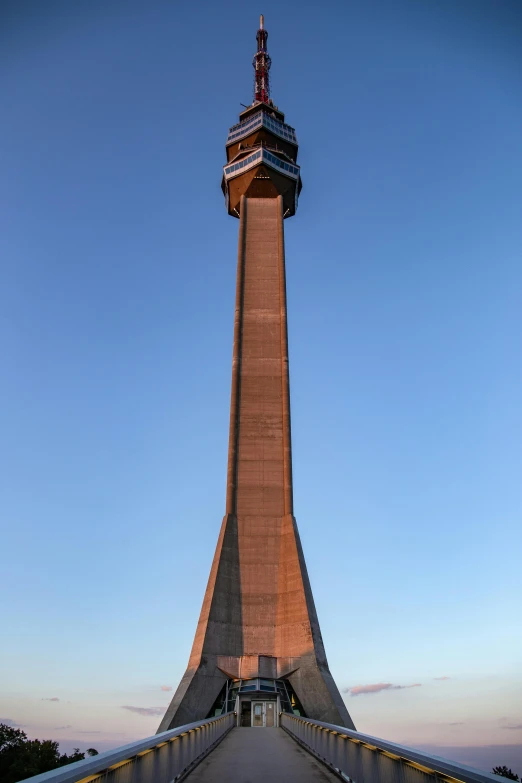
x=257, y=701
x=258, y=713
x=263, y=714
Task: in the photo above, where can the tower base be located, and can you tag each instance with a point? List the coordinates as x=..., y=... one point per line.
x=222, y=634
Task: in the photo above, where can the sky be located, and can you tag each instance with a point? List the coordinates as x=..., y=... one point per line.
x=117, y=263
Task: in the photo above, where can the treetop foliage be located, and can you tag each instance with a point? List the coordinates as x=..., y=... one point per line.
x=505, y=772
x=22, y=758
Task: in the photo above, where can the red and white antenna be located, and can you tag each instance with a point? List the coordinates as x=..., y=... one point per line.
x=261, y=63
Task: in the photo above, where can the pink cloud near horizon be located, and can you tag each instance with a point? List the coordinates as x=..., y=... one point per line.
x=377, y=687
x=166, y=687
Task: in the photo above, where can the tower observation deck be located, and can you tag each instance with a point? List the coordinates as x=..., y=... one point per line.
x=261, y=148
x=258, y=649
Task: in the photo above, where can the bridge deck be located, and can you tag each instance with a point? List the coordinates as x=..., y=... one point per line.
x=255, y=754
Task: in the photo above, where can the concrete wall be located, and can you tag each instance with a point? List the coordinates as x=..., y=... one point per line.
x=258, y=613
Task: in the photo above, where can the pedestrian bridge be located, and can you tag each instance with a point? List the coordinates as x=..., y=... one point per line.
x=298, y=749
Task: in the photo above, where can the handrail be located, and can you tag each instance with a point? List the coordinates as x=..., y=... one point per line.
x=284, y=167
x=257, y=120
x=253, y=118
x=361, y=758
x=162, y=758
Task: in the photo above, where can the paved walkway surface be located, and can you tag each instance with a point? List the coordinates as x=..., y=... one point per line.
x=254, y=755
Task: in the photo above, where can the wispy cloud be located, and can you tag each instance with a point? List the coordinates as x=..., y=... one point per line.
x=442, y=678
x=358, y=690
x=10, y=722
x=53, y=698
x=58, y=728
x=457, y=723
x=515, y=726
x=166, y=687
x=89, y=732
x=144, y=710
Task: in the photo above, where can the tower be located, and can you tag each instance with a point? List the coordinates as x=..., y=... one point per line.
x=258, y=638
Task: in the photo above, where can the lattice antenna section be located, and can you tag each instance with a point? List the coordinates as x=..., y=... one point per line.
x=261, y=63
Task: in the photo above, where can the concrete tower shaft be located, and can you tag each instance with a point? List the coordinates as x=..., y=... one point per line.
x=258, y=624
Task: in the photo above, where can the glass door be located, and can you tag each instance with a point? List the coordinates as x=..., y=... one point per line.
x=258, y=716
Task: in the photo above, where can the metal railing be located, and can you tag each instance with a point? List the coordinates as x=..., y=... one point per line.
x=163, y=758
x=360, y=758
x=254, y=122
x=250, y=161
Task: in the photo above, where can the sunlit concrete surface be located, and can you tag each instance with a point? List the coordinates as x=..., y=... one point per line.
x=251, y=755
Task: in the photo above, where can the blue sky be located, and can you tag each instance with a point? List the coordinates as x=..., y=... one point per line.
x=117, y=261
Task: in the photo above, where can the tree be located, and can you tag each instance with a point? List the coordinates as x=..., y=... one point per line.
x=22, y=758
x=12, y=742
x=505, y=773
x=32, y=758
x=10, y=737
x=75, y=756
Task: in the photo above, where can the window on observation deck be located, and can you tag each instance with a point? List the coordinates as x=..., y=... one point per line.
x=261, y=118
x=251, y=160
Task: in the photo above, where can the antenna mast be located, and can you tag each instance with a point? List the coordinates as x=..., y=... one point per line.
x=261, y=63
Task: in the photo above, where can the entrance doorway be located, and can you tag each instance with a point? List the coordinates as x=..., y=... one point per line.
x=246, y=714
x=263, y=714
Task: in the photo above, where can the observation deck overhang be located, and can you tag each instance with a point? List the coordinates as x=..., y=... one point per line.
x=269, y=107
x=261, y=174
x=258, y=120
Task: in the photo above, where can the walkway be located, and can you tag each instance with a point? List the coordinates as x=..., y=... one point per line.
x=260, y=755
